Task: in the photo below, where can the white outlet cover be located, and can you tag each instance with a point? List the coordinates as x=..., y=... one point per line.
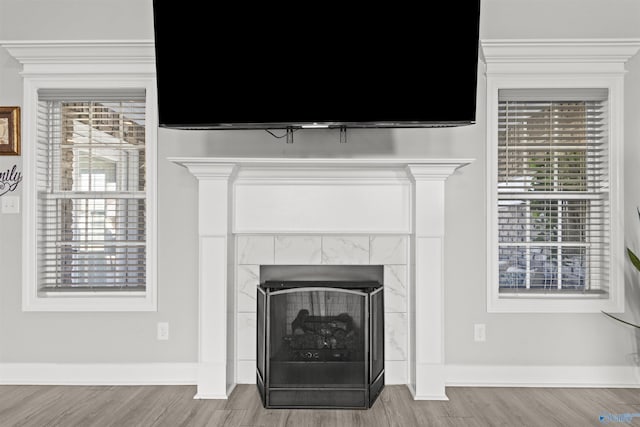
x=479, y=332
x=163, y=331
x=10, y=204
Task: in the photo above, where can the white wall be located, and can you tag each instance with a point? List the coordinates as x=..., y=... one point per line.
x=632, y=192
x=576, y=339
x=560, y=18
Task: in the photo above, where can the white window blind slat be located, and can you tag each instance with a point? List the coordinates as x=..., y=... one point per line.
x=553, y=204
x=91, y=191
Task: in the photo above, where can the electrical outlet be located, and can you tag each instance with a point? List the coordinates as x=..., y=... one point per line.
x=10, y=204
x=163, y=331
x=479, y=332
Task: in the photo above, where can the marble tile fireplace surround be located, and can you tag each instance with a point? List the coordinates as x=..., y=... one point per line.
x=321, y=211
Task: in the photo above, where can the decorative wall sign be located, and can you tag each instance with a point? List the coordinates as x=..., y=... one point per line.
x=10, y=131
x=9, y=180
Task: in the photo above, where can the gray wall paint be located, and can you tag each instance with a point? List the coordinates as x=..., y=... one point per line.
x=560, y=19
x=632, y=197
x=512, y=339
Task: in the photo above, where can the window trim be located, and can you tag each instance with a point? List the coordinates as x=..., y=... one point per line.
x=557, y=64
x=85, y=65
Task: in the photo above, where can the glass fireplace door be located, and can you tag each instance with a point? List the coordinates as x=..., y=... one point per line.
x=317, y=338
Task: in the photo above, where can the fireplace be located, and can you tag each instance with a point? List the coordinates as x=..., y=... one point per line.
x=354, y=207
x=320, y=336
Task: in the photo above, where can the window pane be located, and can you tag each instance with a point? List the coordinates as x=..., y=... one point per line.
x=513, y=221
x=574, y=267
x=544, y=267
x=512, y=264
x=92, y=206
x=552, y=194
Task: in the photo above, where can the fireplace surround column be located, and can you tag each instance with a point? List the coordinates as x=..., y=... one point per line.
x=213, y=319
x=426, y=307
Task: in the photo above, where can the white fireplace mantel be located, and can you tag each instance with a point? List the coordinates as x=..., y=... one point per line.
x=321, y=196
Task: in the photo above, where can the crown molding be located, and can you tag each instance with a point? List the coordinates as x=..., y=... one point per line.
x=559, y=50
x=83, y=56
x=539, y=56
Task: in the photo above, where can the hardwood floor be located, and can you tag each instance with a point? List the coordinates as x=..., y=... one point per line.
x=174, y=406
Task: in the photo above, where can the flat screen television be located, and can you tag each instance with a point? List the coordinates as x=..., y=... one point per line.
x=270, y=66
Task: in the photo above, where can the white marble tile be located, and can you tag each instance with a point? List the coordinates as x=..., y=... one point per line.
x=345, y=250
x=247, y=280
x=395, y=336
x=246, y=343
x=395, y=289
x=388, y=250
x=395, y=372
x=298, y=249
x=246, y=372
x=255, y=249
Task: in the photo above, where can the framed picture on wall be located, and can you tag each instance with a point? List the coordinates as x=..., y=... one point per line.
x=9, y=131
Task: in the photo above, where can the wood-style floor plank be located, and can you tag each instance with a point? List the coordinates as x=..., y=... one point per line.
x=174, y=406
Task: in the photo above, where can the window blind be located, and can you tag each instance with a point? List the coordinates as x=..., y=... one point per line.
x=553, y=191
x=91, y=190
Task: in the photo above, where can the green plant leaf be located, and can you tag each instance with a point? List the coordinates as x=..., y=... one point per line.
x=634, y=259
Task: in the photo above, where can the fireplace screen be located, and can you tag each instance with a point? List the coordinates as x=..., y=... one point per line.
x=320, y=344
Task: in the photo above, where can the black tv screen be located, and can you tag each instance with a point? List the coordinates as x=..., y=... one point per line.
x=244, y=66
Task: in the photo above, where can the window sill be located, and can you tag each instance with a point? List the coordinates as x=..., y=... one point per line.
x=553, y=303
x=73, y=293
x=550, y=294
x=90, y=302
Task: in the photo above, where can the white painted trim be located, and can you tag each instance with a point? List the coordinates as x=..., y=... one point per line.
x=206, y=396
x=324, y=208
x=182, y=373
x=441, y=397
x=91, y=65
x=329, y=162
x=564, y=51
x=325, y=175
x=430, y=382
x=558, y=64
x=251, y=174
x=376, y=232
x=88, y=57
x=424, y=182
x=541, y=376
x=98, y=373
x=209, y=171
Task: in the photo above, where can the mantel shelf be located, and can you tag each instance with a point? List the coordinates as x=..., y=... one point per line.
x=319, y=161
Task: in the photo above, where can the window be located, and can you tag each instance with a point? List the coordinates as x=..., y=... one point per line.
x=554, y=111
x=90, y=198
x=91, y=191
x=89, y=129
x=553, y=192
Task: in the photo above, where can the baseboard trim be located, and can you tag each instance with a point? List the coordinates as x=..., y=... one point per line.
x=230, y=389
x=98, y=373
x=415, y=396
x=205, y=396
x=186, y=374
x=542, y=376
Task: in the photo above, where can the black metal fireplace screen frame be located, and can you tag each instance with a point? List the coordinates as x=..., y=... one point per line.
x=362, y=393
